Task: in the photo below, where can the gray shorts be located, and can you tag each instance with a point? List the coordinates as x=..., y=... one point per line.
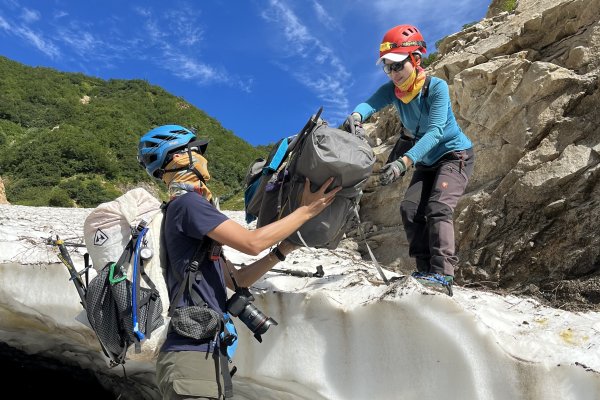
x=189, y=375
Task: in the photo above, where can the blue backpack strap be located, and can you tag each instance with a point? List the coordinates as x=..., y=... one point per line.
x=229, y=336
x=229, y=339
x=278, y=157
x=135, y=286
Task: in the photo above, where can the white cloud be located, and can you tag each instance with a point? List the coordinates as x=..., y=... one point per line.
x=35, y=39
x=188, y=68
x=60, y=14
x=434, y=18
x=4, y=25
x=83, y=43
x=316, y=66
x=12, y=4
x=296, y=33
x=144, y=12
x=326, y=20
x=29, y=16
x=89, y=44
x=177, y=42
x=46, y=46
x=185, y=25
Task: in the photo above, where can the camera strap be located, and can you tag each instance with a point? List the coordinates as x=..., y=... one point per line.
x=235, y=285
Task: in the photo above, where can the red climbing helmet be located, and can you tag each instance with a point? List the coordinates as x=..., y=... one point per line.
x=399, y=42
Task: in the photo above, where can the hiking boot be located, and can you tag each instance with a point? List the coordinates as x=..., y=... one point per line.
x=435, y=281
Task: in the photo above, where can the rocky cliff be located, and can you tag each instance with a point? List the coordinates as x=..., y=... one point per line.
x=524, y=87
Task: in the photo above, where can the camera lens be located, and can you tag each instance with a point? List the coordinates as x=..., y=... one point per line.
x=239, y=305
x=255, y=320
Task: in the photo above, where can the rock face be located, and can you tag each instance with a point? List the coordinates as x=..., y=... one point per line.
x=524, y=87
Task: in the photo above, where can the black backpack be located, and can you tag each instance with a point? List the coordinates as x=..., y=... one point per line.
x=120, y=311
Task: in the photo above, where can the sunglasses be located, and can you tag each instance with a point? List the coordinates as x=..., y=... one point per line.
x=397, y=66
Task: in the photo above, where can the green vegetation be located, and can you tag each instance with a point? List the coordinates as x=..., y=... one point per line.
x=470, y=24
x=71, y=140
x=427, y=61
x=509, y=5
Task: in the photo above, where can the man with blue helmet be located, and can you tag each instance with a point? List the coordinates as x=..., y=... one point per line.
x=189, y=368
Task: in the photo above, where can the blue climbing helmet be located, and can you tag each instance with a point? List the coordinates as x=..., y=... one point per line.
x=158, y=144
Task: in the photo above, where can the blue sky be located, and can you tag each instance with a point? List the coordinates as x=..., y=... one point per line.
x=260, y=67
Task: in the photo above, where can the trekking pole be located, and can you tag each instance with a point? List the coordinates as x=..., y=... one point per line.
x=303, y=274
x=362, y=234
x=65, y=257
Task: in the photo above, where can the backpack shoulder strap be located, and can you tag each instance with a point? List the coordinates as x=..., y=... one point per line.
x=425, y=88
x=405, y=142
x=191, y=270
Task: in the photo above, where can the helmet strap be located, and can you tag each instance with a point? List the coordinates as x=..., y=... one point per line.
x=191, y=166
x=413, y=61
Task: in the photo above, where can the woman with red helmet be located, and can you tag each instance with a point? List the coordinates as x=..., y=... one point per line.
x=440, y=152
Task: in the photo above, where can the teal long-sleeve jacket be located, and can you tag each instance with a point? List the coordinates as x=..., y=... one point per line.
x=430, y=120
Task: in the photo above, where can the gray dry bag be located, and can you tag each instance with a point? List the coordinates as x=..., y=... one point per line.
x=318, y=152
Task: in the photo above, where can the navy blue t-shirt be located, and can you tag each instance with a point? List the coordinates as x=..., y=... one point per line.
x=189, y=218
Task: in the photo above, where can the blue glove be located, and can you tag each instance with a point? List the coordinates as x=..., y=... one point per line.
x=392, y=171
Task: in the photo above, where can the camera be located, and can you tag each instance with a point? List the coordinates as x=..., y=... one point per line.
x=240, y=305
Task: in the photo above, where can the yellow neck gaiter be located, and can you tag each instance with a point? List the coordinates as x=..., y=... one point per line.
x=185, y=180
x=410, y=88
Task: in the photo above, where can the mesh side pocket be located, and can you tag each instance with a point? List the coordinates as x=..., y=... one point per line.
x=103, y=314
x=122, y=293
x=196, y=322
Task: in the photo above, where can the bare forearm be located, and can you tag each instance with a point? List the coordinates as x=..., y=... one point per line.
x=249, y=274
x=253, y=242
x=275, y=232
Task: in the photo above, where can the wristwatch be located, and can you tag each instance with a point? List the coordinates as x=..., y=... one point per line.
x=277, y=253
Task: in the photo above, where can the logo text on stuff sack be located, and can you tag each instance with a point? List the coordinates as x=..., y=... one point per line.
x=100, y=238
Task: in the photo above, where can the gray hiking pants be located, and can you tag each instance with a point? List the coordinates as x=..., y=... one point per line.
x=186, y=375
x=427, y=210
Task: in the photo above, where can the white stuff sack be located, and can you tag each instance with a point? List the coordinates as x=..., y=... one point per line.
x=107, y=230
